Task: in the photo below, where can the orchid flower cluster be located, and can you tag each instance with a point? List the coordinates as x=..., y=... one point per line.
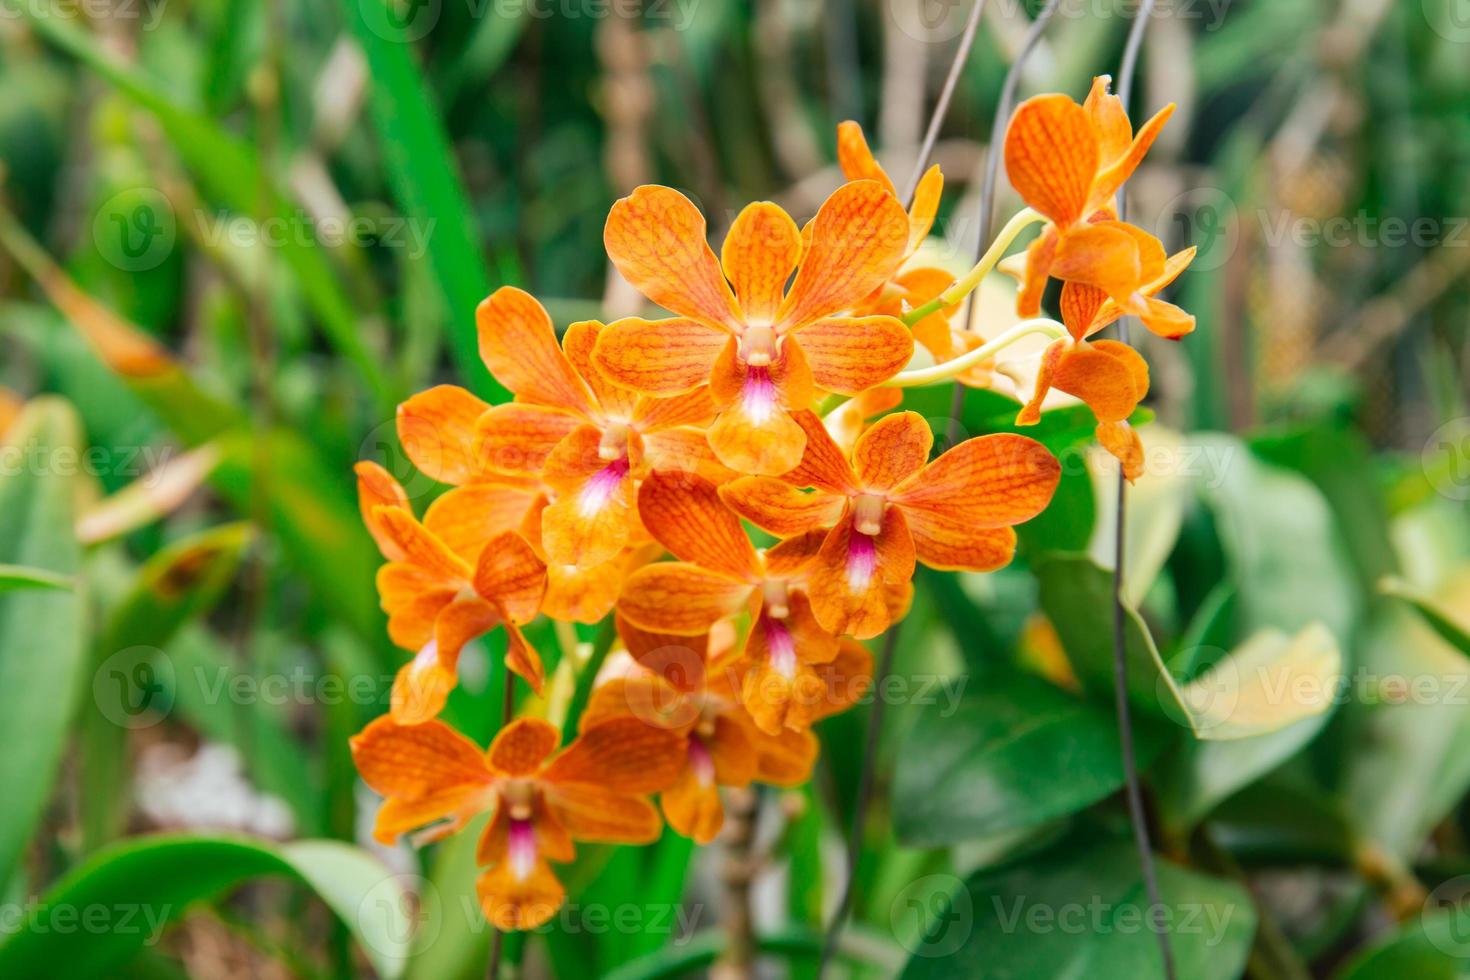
x=621, y=478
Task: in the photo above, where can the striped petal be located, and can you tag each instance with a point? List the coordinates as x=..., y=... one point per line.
x=437, y=430
x=658, y=357
x=851, y=354
x=686, y=516
x=990, y=481
x=858, y=239
x=655, y=237
x=518, y=345
x=760, y=253
x=1052, y=156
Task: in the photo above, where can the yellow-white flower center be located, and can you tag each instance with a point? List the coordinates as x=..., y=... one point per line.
x=758, y=345
x=867, y=513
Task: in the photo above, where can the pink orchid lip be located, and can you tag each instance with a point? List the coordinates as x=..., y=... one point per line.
x=783, y=648
x=521, y=849
x=862, y=560
x=758, y=395
x=598, y=490
x=701, y=762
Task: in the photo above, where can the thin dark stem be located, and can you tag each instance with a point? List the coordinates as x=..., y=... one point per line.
x=497, y=943
x=941, y=107
x=987, y=186
x=860, y=802
x=1136, y=814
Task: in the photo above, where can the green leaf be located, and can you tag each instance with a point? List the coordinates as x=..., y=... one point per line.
x=1080, y=911
x=425, y=180
x=1286, y=555
x=1013, y=755
x=1250, y=692
x=154, y=880
x=15, y=578
x=1432, y=947
x=42, y=631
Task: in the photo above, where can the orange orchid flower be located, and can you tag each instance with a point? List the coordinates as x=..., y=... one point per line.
x=589, y=441
x=690, y=685
x=764, y=350
x=438, y=598
x=1110, y=376
x=885, y=506
x=1068, y=161
x=719, y=573
x=540, y=800
x=911, y=288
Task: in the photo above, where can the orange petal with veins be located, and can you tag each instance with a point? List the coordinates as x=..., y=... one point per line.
x=1052, y=156
x=510, y=575
x=622, y=755
x=990, y=481
x=467, y=517
x=894, y=449
x=377, y=488
x=823, y=465
x=947, y=543
x=578, y=343
x=686, y=516
x=516, y=438
x=848, y=355
x=414, y=761
x=677, y=597
x=858, y=239
x=760, y=253
x=778, y=507
x=522, y=745
x=848, y=581
x=856, y=160
x=518, y=345
x=655, y=237
x=437, y=430
x=658, y=357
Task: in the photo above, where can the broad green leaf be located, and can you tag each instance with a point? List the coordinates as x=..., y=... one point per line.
x=1080, y=911
x=1254, y=690
x=155, y=880
x=1014, y=754
x=16, y=578
x=42, y=631
x=1431, y=947
x=1405, y=732
x=1284, y=549
x=1270, y=681
x=425, y=178
x=1155, y=505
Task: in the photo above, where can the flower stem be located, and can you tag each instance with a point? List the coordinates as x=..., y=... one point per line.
x=1022, y=220
x=949, y=369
